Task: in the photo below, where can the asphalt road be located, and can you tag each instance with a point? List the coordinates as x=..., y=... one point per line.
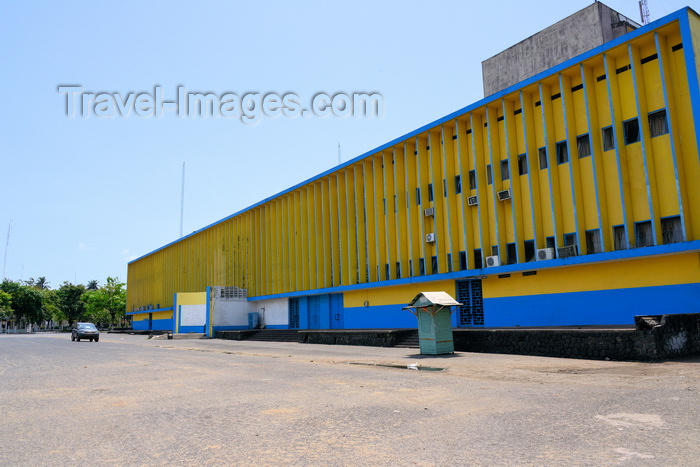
x=128, y=400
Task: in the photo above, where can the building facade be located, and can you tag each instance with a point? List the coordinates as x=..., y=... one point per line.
x=570, y=198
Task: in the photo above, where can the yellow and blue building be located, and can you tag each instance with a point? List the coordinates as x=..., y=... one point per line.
x=569, y=198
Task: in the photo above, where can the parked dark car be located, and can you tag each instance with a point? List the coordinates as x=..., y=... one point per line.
x=85, y=331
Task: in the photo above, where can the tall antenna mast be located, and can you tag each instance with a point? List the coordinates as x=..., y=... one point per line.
x=7, y=244
x=339, y=160
x=182, y=199
x=644, y=11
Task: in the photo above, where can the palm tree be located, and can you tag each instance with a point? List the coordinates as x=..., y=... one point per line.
x=92, y=285
x=41, y=283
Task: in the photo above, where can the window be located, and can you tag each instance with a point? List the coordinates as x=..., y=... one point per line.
x=570, y=239
x=583, y=144
x=494, y=250
x=472, y=180
x=421, y=266
x=511, y=253
x=489, y=175
x=418, y=195
x=444, y=188
x=671, y=230
x=434, y=265
x=458, y=184
x=643, y=234
x=386, y=272
x=522, y=164
x=619, y=237
x=608, y=139
x=462, y=260
x=529, y=250
x=430, y=191
x=505, y=171
x=398, y=270
x=658, y=123
x=562, y=152
x=593, y=243
x=478, y=262
x=543, y=158
x=631, y=128
x=449, y=262
x=549, y=242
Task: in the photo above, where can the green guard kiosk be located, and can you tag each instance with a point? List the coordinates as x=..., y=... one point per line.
x=434, y=310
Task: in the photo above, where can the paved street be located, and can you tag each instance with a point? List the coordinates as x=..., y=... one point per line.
x=128, y=400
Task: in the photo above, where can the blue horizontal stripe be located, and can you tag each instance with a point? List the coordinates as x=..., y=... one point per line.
x=156, y=325
x=618, y=306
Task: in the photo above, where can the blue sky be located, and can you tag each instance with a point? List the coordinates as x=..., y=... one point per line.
x=85, y=195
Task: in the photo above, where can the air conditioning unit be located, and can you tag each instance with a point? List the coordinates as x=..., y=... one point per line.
x=545, y=253
x=430, y=237
x=567, y=251
x=472, y=201
x=503, y=195
x=429, y=212
x=492, y=261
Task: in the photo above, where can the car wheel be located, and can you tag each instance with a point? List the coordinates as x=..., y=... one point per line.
x=77, y=338
x=97, y=339
x=91, y=339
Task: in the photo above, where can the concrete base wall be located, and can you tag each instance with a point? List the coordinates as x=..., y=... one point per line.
x=659, y=337
x=371, y=338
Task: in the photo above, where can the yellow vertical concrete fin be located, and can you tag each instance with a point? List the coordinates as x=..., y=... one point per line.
x=370, y=205
x=516, y=201
x=577, y=210
x=533, y=165
x=594, y=132
x=552, y=169
x=647, y=150
x=620, y=148
x=411, y=216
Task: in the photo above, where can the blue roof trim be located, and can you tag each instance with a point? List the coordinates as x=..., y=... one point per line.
x=675, y=16
x=633, y=253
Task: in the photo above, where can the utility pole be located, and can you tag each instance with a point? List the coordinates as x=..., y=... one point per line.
x=182, y=199
x=7, y=244
x=644, y=11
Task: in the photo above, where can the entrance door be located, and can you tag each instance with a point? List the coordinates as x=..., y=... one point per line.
x=293, y=313
x=471, y=313
x=337, y=312
x=315, y=312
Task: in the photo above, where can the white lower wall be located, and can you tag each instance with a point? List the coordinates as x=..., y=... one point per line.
x=274, y=312
x=234, y=312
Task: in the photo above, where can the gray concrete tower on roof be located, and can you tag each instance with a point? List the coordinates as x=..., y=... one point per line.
x=572, y=36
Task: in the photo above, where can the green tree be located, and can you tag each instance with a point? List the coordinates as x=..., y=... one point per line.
x=51, y=306
x=42, y=284
x=108, y=303
x=5, y=305
x=26, y=301
x=69, y=303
